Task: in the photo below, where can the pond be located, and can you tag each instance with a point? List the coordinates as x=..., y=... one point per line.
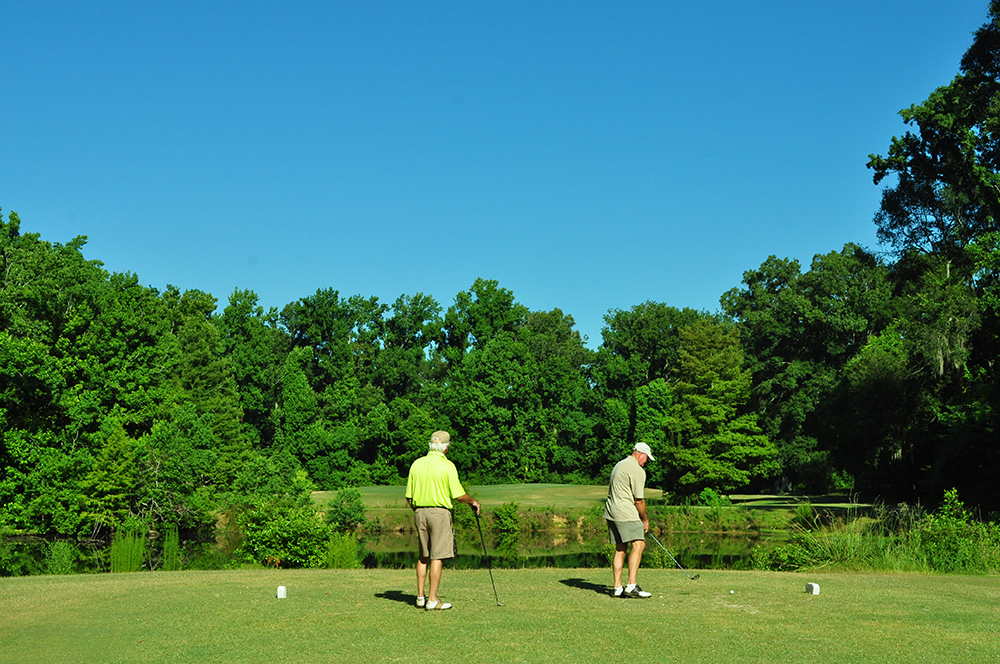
x=554, y=548
x=561, y=549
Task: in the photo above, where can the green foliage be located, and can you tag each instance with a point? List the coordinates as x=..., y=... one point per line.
x=805, y=515
x=798, y=330
x=711, y=498
x=110, y=486
x=345, y=511
x=171, y=550
x=953, y=542
x=342, y=552
x=128, y=551
x=900, y=540
x=62, y=557
x=713, y=442
x=280, y=533
x=506, y=520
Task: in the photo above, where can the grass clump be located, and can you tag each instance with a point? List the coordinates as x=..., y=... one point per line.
x=342, y=552
x=128, y=551
x=171, y=550
x=903, y=539
x=61, y=558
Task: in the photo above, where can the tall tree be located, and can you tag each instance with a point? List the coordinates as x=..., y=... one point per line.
x=257, y=346
x=713, y=439
x=640, y=346
x=799, y=330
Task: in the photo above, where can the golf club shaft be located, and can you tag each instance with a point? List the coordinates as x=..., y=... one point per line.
x=489, y=561
x=672, y=558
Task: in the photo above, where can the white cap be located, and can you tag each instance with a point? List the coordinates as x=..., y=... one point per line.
x=644, y=448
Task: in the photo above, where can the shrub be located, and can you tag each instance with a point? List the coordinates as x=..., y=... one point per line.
x=280, y=534
x=711, y=498
x=953, y=541
x=61, y=558
x=346, y=511
x=342, y=552
x=506, y=520
x=895, y=540
x=464, y=518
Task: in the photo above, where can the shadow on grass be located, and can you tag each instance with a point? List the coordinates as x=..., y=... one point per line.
x=398, y=596
x=586, y=585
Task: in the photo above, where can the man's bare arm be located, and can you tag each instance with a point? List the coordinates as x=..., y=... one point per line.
x=640, y=506
x=470, y=501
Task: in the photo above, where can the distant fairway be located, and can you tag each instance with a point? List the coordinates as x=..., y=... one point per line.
x=570, y=497
x=551, y=615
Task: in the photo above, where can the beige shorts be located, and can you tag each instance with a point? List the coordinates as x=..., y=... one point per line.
x=622, y=532
x=437, y=540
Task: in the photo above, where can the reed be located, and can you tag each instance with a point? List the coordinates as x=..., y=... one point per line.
x=128, y=551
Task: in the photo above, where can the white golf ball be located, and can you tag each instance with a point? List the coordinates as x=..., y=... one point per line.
x=732, y=592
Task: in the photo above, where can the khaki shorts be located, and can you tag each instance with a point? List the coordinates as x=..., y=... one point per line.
x=621, y=532
x=437, y=541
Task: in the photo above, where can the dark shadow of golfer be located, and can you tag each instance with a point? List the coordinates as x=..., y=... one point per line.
x=398, y=596
x=586, y=585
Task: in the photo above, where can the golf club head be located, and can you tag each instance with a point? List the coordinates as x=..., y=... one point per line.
x=696, y=577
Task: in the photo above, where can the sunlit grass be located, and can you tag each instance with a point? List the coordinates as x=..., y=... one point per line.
x=551, y=615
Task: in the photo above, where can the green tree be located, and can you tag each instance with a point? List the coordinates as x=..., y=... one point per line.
x=799, y=330
x=252, y=339
x=714, y=441
x=110, y=486
x=640, y=346
x=205, y=377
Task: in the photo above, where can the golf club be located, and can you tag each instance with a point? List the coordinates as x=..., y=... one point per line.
x=489, y=561
x=693, y=578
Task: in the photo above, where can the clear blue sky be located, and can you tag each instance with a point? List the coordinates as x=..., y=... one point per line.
x=588, y=156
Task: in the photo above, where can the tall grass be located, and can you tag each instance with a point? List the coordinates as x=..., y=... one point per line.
x=61, y=558
x=171, y=550
x=903, y=539
x=128, y=551
x=342, y=552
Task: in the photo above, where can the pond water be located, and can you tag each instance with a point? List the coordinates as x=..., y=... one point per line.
x=560, y=548
x=563, y=549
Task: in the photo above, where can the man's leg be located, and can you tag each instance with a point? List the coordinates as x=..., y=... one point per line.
x=634, y=558
x=421, y=575
x=618, y=563
x=436, y=566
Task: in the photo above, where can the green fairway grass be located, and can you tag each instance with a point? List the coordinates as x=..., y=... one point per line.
x=559, y=496
x=551, y=615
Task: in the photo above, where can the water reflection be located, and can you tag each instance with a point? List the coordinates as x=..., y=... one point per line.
x=558, y=548
x=567, y=550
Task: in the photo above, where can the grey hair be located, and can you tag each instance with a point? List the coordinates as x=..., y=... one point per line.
x=440, y=441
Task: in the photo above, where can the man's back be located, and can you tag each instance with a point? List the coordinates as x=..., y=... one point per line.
x=627, y=484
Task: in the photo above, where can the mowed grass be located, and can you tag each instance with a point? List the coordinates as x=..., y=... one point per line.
x=570, y=497
x=551, y=615
x=560, y=496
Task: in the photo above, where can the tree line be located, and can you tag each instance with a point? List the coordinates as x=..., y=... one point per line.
x=873, y=372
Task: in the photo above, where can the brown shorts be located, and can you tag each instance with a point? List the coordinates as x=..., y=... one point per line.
x=437, y=540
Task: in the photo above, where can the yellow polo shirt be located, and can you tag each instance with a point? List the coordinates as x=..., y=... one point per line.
x=433, y=481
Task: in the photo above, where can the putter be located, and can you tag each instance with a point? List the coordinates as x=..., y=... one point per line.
x=489, y=561
x=693, y=578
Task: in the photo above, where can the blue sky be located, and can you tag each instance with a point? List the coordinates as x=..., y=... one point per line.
x=588, y=156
